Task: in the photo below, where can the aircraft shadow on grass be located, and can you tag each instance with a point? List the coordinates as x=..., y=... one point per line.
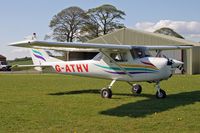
x=142, y=108
x=152, y=105
x=88, y=91
x=95, y=91
x=92, y=91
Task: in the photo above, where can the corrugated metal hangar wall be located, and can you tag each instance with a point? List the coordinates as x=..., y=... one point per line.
x=191, y=57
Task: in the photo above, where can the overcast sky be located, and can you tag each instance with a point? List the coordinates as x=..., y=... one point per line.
x=21, y=18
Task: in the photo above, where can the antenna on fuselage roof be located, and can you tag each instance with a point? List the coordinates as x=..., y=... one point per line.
x=34, y=37
x=31, y=37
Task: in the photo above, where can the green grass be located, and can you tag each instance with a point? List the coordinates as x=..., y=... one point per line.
x=59, y=103
x=20, y=62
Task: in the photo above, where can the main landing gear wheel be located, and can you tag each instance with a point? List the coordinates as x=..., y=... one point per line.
x=161, y=94
x=137, y=89
x=106, y=93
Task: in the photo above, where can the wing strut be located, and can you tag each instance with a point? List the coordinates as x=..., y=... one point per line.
x=116, y=63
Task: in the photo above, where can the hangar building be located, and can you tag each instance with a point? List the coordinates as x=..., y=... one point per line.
x=2, y=58
x=190, y=57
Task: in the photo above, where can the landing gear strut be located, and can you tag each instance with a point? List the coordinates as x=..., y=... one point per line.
x=160, y=94
x=107, y=92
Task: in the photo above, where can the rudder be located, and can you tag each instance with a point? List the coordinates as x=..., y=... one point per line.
x=40, y=56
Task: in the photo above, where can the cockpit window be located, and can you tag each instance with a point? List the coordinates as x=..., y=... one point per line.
x=119, y=57
x=116, y=56
x=140, y=53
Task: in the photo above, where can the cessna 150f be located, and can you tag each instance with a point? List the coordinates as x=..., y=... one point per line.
x=129, y=63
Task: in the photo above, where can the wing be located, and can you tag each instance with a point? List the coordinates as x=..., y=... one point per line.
x=63, y=45
x=168, y=47
x=66, y=45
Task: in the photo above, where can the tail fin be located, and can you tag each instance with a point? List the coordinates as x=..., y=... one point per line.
x=40, y=57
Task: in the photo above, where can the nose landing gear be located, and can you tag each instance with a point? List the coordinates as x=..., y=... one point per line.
x=160, y=94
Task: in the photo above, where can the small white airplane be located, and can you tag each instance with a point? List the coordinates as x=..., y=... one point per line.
x=130, y=63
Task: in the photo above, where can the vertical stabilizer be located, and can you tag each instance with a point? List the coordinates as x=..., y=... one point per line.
x=40, y=56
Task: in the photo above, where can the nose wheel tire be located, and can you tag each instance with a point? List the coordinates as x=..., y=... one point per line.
x=137, y=89
x=161, y=95
x=106, y=93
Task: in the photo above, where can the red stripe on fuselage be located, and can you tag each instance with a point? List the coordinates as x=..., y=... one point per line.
x=148, y=63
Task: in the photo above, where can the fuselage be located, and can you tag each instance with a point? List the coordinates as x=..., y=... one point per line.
x=143, y=69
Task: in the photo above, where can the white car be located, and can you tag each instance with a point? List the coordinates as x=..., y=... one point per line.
x=4, y=66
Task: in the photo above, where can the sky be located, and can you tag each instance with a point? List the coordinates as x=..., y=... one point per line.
x=21, y=18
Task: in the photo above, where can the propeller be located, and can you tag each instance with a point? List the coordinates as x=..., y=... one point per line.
x=171, y=62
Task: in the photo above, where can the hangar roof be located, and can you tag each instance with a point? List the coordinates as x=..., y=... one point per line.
x=135, y=37
x=1, y=56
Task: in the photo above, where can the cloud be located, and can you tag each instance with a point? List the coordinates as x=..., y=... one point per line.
x=195, y=35
x=182, y=27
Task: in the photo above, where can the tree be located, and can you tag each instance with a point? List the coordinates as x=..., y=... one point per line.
x=90, y=30
x=67, y=23
x=168, y=31
x=102, y=20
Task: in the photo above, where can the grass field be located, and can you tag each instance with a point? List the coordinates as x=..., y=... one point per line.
x=58, y=103
x=20, y=62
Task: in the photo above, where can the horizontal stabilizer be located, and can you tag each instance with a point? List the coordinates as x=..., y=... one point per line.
x=14, y=66
x=36, y=67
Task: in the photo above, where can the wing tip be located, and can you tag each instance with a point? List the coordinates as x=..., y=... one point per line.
x=25, y=43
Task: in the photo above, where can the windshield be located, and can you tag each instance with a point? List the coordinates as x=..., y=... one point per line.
x=98, y=57
x=140, y=53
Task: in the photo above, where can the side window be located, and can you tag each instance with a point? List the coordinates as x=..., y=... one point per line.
x=136, y=53
x=139, y=53
x=119, y=57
